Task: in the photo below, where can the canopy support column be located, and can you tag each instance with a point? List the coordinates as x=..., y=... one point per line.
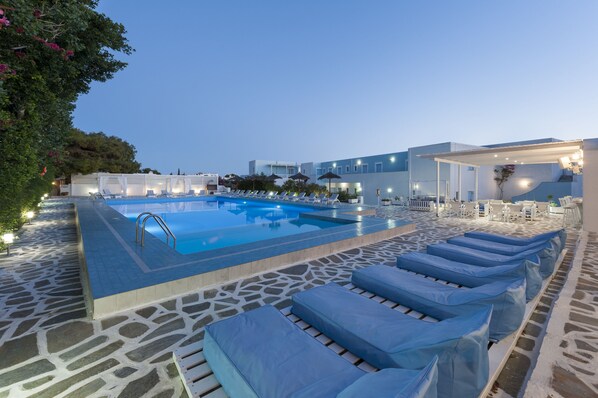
x=438, y=189
x=476, y=170
x=459, y=196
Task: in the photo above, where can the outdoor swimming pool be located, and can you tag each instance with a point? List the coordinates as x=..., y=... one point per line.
x=208, y=223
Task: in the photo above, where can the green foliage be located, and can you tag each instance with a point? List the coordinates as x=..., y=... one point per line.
x=344, y=196
x=148, y=170
x=97, y=152
x=50, y=53
x=257, y=183
x=300, y=186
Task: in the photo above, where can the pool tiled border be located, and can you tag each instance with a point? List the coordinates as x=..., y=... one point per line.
x=119, y=275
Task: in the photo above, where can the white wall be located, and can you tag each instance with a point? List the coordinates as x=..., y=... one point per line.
x=528, y=177
x=139, y=184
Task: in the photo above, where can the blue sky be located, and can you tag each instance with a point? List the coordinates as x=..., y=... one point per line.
x=215, y=84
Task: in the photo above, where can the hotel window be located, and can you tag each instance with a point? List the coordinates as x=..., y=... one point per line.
x=355, y=168
x=318, y=171
x=470, y=168
x=339, y=170
x=330, y=169
x=378, y=167
x=364, y=168
x=347, y=169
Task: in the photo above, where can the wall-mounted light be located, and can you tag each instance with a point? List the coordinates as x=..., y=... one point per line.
x=389, y=190
x=334, y=164
x=392, y=159
x=358, y=162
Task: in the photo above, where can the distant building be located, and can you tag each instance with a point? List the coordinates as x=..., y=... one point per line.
x=281, y=168
x=405, y=175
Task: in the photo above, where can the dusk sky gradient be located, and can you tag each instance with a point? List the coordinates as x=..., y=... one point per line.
x=213, y=85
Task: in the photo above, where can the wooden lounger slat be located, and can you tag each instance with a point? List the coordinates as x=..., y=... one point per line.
x=219, y=393
x=192, y=360
x=205, y=386
x=197, y=373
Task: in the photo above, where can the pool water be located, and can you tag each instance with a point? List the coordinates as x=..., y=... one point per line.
x=202, y=224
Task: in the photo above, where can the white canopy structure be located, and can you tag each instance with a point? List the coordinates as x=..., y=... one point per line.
x=139, y=184
x=544, y=153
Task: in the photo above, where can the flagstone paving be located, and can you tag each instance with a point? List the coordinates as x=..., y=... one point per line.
x=50, y=348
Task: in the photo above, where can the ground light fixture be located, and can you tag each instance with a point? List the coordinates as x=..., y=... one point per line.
x=46, y=195
x=29, y=216
x=8, y=240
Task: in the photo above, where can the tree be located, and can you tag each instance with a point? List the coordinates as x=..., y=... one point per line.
x=97, y=152
x=502, y=175
x=148, y=170
x=50, y=52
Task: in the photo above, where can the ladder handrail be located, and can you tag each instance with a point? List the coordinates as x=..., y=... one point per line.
x=161, y=223
x=137, y=224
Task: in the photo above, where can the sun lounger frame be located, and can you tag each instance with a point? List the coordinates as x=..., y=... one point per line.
x=199, y=381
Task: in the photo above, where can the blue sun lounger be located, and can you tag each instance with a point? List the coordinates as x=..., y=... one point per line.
x=533, y=278
x=387, y=338
x=511, y=240
x=442, y=301
x=547, y=250
x=260, y=353
x=461, y=273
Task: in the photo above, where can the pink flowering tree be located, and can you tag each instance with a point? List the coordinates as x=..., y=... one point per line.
x=50, y=52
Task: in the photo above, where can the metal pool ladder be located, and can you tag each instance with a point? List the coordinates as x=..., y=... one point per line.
x=161, y=223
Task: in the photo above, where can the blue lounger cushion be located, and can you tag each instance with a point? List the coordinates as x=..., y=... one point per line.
x=388, y=338
x=547, y=250
x=395, y=383
x=260, y=353
x=533, y=278
x=461, y=273
x=442, y=301
x=512, y=240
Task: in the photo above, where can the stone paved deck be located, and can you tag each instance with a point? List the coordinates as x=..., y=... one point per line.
x=50, y=348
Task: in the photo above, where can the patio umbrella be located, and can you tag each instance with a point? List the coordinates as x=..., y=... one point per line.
x=328, y=176
x=273, y=177
x=299, y=176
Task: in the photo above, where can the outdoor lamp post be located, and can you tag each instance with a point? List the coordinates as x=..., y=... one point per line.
x=29, y=216
x=8, y=239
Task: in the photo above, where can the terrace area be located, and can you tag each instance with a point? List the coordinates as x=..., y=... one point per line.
x=51, y=348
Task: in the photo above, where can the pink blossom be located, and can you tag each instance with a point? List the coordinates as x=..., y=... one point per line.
x=53, y=46
x=37, y=13
x=3, y=68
